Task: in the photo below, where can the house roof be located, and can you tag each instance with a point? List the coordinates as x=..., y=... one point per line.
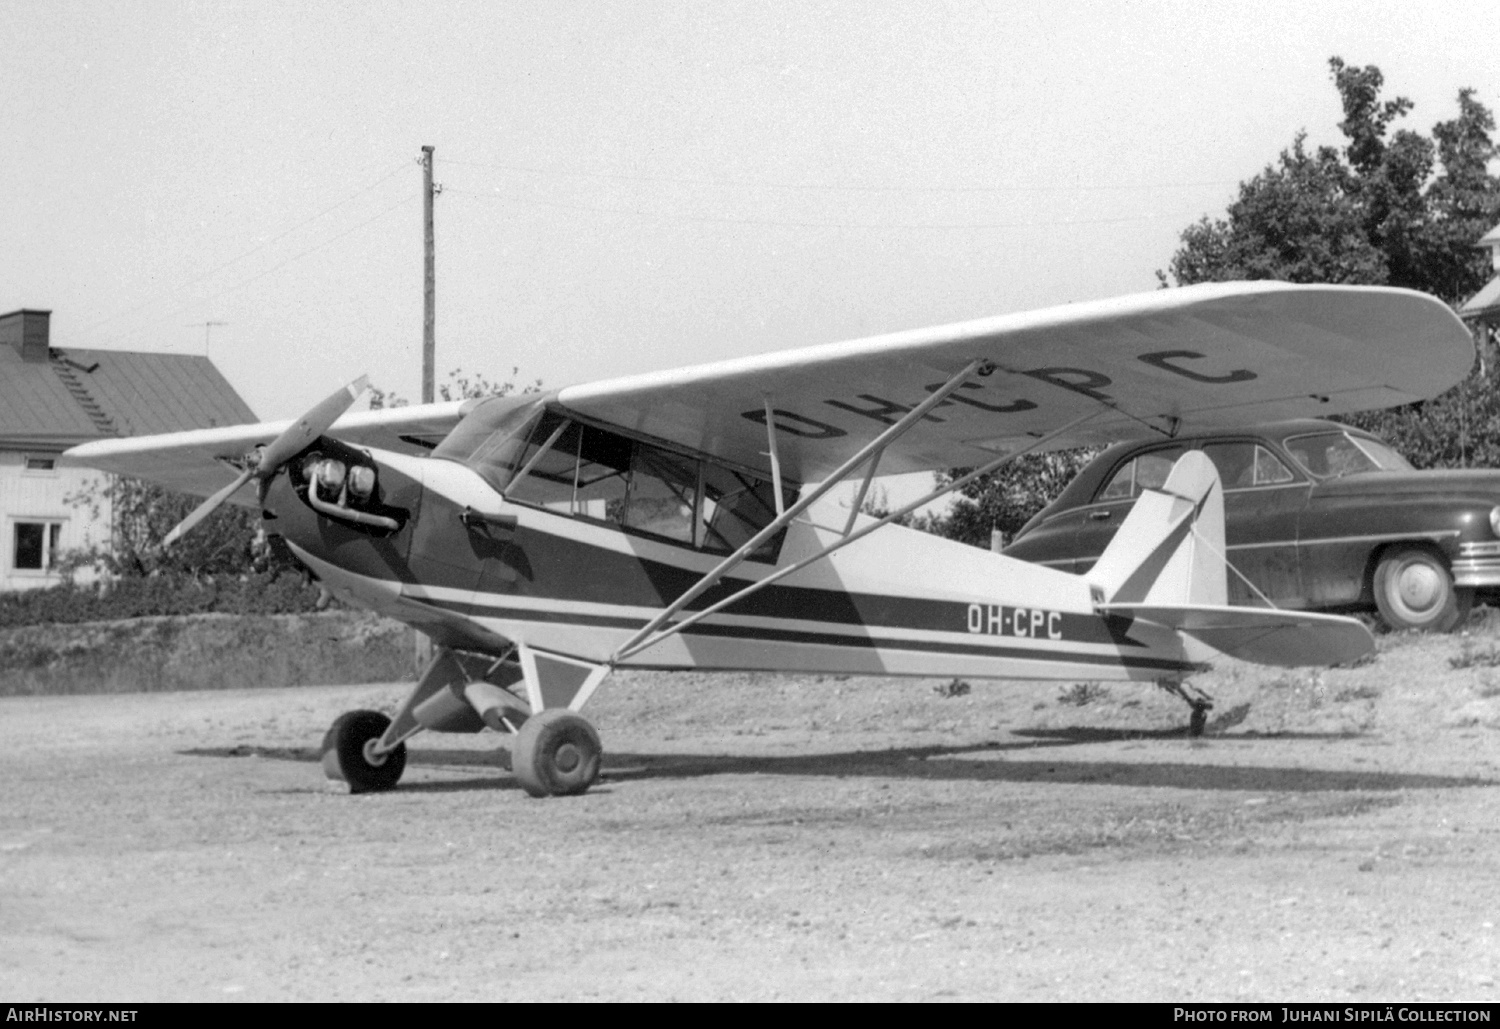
x=1485, y=302
x=1491, y=238
x=79, y=395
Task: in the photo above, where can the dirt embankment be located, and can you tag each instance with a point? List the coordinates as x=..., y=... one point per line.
x=190, y=652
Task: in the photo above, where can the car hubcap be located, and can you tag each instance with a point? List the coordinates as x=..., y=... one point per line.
x=1418, y=587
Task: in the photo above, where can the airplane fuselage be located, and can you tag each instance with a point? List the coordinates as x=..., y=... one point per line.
x=479, y=573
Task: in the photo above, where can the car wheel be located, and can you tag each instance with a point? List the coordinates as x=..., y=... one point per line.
x=1414, y=590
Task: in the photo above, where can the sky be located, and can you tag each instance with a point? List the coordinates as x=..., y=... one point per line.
x=640, y=184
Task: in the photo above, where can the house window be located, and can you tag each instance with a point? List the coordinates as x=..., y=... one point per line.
x=34, y=546
x=39, y=465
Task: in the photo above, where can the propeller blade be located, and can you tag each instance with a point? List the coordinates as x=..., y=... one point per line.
x=309, y=427
x=298, y=435
x=207, y=508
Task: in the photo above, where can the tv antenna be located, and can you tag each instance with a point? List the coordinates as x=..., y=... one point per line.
x=208, y=327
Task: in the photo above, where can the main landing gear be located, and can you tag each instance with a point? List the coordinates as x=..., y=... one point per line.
x=554, y=751
x=556, y=754
x=1200, y=702
x=349, y=753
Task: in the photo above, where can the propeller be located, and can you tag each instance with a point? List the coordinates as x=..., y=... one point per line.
x=278, y=452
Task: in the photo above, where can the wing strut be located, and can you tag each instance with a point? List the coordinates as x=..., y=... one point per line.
x=775, y=456
x=782, y=520
x=864, y=488
x=643, y=639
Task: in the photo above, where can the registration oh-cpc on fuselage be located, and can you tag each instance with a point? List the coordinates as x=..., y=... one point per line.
x=666, y=520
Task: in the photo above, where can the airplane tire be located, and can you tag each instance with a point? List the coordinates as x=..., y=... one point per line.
x=1414, y=590
x=344, y=757
x=556, y=754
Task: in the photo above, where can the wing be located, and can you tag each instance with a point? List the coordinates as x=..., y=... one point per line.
x=1175, y=360
x=200, y=461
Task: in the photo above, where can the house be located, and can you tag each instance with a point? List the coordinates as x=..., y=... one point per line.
x=52, y=399
x=1482, y=310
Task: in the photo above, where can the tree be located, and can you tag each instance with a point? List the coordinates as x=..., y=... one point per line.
x=1393, y=207
x=1008, y=497
x=140, y=516
x=460, y=386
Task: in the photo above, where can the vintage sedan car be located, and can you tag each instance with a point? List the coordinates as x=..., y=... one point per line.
x=1317, y=515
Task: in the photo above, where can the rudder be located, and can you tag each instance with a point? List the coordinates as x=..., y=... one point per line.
x=1170, y=548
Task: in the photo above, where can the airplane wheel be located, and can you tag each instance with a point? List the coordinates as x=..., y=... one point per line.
x=1414, y=590
x=346, y=756
x=556, y=754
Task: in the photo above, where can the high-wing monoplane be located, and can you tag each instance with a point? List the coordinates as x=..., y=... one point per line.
x=668, y=520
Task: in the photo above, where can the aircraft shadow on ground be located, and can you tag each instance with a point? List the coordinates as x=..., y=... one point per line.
x=983, y=763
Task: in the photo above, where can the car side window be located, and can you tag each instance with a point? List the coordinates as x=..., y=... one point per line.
x=1243, y=465
x=1235, y=462
x=1121, y=485
x=1269, y=469
x=1147, y=471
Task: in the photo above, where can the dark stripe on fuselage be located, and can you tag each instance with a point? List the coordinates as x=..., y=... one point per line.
x=749, y=632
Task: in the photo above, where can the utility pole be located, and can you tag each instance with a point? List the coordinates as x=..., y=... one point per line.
x=429, y=292
x=422, y=652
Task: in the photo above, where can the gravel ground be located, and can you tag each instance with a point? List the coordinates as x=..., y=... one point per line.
x=1336, y=837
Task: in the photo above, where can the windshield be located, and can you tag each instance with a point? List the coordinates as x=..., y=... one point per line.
x=492, y=438
x=1331, y=455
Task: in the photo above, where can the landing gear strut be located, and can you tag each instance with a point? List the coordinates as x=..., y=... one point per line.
x=1200, y=702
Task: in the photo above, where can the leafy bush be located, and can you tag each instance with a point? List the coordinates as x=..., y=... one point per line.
x=1008, y=497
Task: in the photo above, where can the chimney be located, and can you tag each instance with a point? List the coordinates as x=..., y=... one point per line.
x=27, y=331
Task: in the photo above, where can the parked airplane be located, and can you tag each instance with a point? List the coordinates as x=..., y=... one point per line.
x=664, y=520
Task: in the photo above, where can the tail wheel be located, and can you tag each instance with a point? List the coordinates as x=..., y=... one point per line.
x=347, y=753
x=556, y=753
x=1414, y=590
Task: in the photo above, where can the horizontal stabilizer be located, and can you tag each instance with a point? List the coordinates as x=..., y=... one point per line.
x=1286, y=639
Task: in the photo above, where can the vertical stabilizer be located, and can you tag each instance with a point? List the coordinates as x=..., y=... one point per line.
x=1170, y=549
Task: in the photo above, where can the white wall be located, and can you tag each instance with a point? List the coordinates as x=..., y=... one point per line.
x=28, y=495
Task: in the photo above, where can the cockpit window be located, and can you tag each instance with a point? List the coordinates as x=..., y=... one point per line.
x=574, y=469
x=1329, y=455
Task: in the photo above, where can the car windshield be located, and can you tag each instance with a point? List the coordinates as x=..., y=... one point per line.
x=1331, y=455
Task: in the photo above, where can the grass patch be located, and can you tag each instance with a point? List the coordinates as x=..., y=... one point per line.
x=1081, y=694
x=956, y=688
x=1471, y=656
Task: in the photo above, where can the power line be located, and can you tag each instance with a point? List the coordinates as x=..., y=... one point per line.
x=834, y=187
x=276, y=267
x=652, y=215
x=253, y=250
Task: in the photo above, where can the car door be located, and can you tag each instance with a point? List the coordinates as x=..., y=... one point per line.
x=1263, y=501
